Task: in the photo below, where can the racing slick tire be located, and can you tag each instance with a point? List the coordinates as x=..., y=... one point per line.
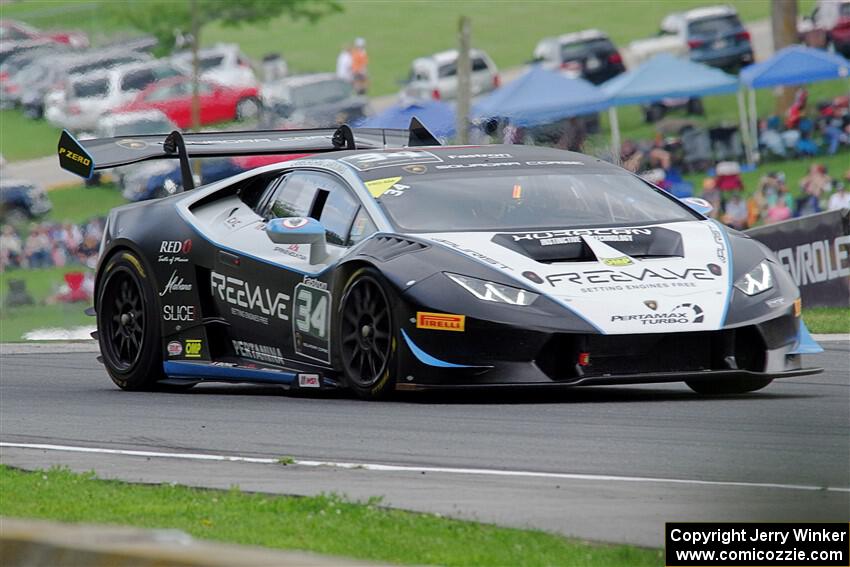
x=248, y=108
x=367, y=335
x=128, y=326
x=729, y=386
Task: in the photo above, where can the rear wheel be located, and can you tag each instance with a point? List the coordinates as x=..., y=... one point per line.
x=367, y=336
x=728, y=386
x=128, y=329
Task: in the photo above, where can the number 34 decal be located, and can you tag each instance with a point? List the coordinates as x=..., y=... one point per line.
x=312, y=322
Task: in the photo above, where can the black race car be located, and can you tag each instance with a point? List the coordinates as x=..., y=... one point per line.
x=385, y=262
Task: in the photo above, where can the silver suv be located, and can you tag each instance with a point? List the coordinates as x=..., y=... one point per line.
x=435, y=77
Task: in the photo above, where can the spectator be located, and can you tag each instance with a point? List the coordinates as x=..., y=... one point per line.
x=10, y=248
x=360, y=66
x=797, y=110
x=735, y=212
x=770, y=138
x=841, y=198
x=37, y=248
x=817, y=182
x=344, y=64
x=712, y=195
x=780, y=209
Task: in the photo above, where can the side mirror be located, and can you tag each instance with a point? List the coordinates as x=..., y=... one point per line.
x=299, y=231
x=701, y=206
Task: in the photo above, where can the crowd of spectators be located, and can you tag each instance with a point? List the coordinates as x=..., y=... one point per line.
x=773, y=201
x=50, y=244
x=804, y=131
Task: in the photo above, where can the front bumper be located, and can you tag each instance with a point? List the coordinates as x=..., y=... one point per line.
x=488, y=354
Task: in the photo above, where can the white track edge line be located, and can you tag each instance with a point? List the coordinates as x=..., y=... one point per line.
x=419, y=469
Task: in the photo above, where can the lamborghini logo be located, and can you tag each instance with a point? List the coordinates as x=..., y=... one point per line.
x=651, y=304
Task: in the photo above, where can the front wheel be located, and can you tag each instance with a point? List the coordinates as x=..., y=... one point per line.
x=128, y=327
x=728, y=386
x=367, y=335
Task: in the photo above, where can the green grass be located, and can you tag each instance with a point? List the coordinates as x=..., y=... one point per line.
x=325, y=524
x=397, y=32
x=78, y=204
x=22, y=138
x=41, y=284
x=827, y=319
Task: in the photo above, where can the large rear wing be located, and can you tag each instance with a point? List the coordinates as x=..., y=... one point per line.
x=84, y=157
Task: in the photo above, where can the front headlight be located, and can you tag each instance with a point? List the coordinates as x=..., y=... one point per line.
x=490, y=291
x=757, y=280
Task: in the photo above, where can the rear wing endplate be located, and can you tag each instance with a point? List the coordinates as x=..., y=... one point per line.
x=84, y=157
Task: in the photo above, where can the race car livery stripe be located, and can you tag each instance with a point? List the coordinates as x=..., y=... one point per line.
x=426, y=358
x=730, y=270
x=200, y=370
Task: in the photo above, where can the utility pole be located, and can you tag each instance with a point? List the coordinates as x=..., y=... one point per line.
x=464, y=86
x=196, y=40
x=783, y=21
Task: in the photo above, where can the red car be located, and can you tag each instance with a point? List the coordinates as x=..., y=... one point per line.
x=173, y=97
x=11, y=30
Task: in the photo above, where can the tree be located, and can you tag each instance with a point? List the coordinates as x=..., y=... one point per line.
x=783, y=21
x=169, y=19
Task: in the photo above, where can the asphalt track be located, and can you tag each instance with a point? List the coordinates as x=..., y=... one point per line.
x=604, y=463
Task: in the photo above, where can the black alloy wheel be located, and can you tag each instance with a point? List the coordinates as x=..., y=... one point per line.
x=128, y=330
x=366, y=336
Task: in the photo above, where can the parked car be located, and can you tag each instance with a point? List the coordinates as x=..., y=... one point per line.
x=11, y=87
x=314, y=101
x=12, y=30
x=173, y=97
x=589, y=54
x=712, y=35
x=45, y=81
x=90, y=96
x=828, y=26
x=435, y=77
x=129, y=124
x=21, y=201
x=224, y=64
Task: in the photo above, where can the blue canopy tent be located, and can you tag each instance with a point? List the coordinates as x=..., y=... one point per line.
x=791, y=66
x=795, y=65
x=666, y=76
x=540, y=97
x=438, y=117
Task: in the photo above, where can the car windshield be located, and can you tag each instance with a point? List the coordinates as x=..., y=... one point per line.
x=210, y=62
x=323, y=92
x=89, y=89
x=525, y=200
x=714, y=26
x=144, y=127
x=580, y=49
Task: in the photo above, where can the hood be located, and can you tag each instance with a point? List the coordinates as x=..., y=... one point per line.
x=646, y=279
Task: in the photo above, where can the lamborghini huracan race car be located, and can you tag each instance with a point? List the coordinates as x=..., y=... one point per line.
x=386, y=262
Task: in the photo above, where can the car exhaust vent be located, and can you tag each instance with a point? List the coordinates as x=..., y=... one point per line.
x=388, y=247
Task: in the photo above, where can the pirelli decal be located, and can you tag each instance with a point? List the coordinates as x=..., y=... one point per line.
x=440, y=321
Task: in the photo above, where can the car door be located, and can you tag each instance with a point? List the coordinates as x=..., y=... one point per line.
x=278, y=303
